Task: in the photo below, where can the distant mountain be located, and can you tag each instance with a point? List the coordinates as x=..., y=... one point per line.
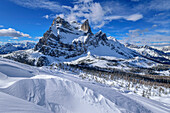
x=151, y=53
x=11, y=47
x=165, y=49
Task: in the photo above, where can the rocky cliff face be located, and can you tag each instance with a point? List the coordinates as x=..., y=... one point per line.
x=64, y=39
x=71, y=40
x=86, y=27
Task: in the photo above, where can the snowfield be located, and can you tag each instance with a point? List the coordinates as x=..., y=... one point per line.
x=27, y=89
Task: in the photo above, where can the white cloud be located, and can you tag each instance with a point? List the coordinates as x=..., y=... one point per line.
x=39, y=37
x=163, y=31
x=45, y=4
x=160, y=5
x=14, y=38
x=85, y=1
x=96, y=14
x=12, y=33
x=86, y=10
x=113, y=17
x=144, y=37
x=46, y=16
x=134, y=17
x=25, y=41
x=153, y=26
x=1, y=26
x=60, y=15
x=52, y=16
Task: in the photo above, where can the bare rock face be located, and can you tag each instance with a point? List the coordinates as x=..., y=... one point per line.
x=86, y=27
x=66, y=40
x=69, y=40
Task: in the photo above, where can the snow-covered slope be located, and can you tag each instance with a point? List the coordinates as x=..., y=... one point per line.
x=71, y=42
x=165, y=49
x=11, y=47
x=41, y=90
x=151, y=53
x=68, y=40
x=109, y=63
x=11, y=104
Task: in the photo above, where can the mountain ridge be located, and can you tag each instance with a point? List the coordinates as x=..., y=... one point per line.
x=11, y=47
x=64, y=39
x=66, y=42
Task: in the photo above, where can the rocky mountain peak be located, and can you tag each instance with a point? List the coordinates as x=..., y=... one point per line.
x=86, y=27
x=71, y=39
x=60, y=22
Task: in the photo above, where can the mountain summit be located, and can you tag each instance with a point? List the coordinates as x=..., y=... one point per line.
x=71, y=39
x=86, y=27
x=70, y=42
x=67, y=41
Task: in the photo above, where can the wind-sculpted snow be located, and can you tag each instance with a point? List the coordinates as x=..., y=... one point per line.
x=63, y=93
x=57, y=94
x=11, y=104
x=12, y=71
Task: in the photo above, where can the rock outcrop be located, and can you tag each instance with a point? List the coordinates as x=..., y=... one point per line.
x=86, y=27
x=65, y=40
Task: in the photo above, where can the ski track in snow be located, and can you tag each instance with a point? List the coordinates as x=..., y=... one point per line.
x=26, y=89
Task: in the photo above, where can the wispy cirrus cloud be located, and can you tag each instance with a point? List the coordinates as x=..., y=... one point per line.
x=146, y=37
x=163, y=30
x=10, y=32
x=85, y=1
x=15, y=38
x=1, y=26
x=45, y=4
x=25, y=41
x=159, y=5
x=149, y=39
x=97, y=14
x=133, y=17
x=85, y=9
x=38, y=37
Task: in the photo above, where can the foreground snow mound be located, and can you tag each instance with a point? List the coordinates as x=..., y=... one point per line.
x=63, y=96
x=63, y=93
x=59, y=95
x=11, y=104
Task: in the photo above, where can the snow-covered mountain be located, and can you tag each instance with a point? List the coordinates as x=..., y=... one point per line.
x=82, y=72
x=151, y=53
x=11, y=47
x=68, y=41
x=28, y=89
x=165, y=49
x=74, y=44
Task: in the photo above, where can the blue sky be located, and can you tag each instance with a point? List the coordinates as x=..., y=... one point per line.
x=134, y=21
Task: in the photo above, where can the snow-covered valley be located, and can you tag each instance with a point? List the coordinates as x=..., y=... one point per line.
x=43, y=90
